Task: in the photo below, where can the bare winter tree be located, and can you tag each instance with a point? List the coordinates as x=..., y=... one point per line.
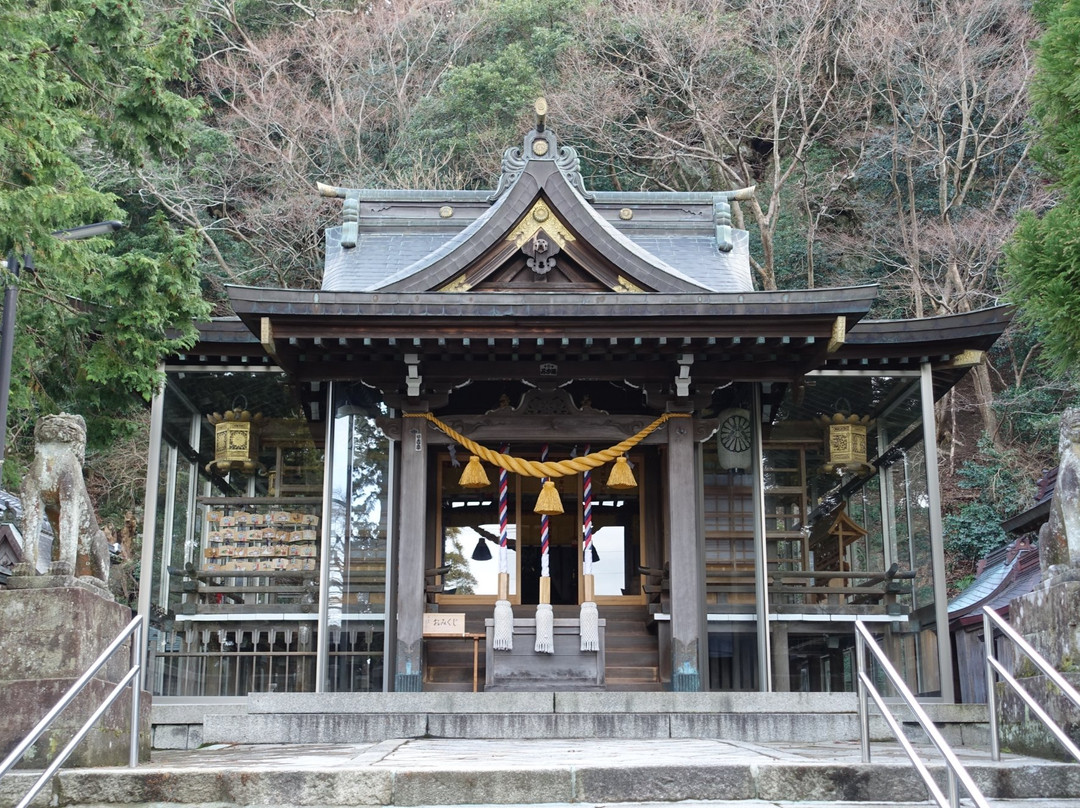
x=698, y=95
x=945, y=167
x=304, y=93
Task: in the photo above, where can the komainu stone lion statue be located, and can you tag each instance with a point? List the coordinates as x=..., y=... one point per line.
x=54, y=488
x=1059, y=538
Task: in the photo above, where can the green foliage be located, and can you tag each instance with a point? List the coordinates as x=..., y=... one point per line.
x=1044, y=256
x=482, y=103
x=1043, y=274
x=975, y=528
x=88, y=84
x=974, y=531
x=145, y=301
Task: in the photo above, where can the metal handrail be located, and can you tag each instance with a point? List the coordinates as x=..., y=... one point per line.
x=956, y=770
x=991, y=620
x=134, y=630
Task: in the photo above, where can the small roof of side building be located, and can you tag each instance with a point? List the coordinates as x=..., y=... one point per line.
x=10, y=518
x=1006, y=573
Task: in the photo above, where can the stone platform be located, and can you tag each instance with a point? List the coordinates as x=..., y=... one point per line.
x=604, y=771
x=342, y=718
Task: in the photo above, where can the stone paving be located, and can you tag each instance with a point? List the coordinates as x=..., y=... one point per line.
x=434, y=754
x=697, y=773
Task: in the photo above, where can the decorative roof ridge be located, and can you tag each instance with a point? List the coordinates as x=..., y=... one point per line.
x=540, y=144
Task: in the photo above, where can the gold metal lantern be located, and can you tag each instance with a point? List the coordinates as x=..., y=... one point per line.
x=845, y=441
x=236, y=441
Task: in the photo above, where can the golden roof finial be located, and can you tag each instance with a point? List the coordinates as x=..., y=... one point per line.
x=541, y=112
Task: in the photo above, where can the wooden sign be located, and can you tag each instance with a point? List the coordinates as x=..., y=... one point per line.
x=444, y=624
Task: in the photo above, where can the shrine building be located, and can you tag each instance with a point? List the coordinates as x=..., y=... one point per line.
x=730, y=477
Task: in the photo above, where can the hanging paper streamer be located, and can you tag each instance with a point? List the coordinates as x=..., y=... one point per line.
x=504, y=613
x=545, y=618
x=589, y=620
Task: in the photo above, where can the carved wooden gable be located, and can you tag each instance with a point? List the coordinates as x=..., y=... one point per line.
x=541, y=253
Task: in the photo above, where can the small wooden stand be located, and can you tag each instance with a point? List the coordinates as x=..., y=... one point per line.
x=445, y=625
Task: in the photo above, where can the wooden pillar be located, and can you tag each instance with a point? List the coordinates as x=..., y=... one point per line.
x=689, y=637
x=412, y=521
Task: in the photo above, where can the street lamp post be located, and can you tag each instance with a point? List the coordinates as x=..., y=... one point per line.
x=11, y=296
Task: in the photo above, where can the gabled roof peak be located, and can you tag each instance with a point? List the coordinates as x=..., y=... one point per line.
x=540, y=144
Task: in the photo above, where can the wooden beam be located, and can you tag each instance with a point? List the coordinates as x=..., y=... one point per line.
x=966, y=359
x=839, y=334
x=266, y=337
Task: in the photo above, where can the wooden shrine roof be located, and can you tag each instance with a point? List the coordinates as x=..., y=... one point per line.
x=321, y=336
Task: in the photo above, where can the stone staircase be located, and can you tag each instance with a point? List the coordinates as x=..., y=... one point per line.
x=431, y=771
x=744, y=750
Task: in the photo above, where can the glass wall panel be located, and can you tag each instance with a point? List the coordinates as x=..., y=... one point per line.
x=729, y=536
x=847, y=535
x=733, y=658
x=235, y=589
x=357, y=548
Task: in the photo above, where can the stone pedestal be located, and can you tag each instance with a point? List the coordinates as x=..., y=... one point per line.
x=51, y=635
x=569, y=668
x=1049, y=619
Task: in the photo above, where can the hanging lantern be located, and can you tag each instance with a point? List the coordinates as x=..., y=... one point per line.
x=845, y=441
x=474, y=475
x=621, y=477
x=548, y=503
x=236, y=441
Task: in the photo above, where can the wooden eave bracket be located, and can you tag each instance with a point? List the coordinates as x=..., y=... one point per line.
x=413, y=379
x=266, y=337
x=839, y=334
x=966, y=359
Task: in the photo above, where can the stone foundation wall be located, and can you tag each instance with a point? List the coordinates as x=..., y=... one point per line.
x=50, y=637
x=1049, y=619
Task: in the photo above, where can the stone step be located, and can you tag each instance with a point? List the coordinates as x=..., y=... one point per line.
x=626, y=673
x=542, y=772
x=365, y=717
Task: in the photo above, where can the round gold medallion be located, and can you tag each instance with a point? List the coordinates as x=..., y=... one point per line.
x=540, y=147
x=446, y=211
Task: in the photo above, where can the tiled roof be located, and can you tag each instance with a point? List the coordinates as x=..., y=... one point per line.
x=11, y=502
x=1005, y=576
